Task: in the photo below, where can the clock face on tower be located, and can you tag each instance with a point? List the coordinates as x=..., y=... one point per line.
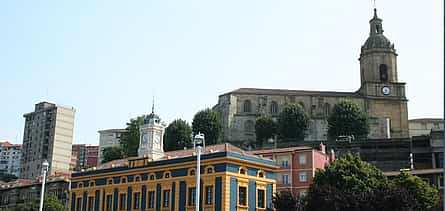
x=145, y=138
x=386, y=90
x=157, y=139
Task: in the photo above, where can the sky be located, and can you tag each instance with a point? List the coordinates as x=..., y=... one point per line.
x=109, y=58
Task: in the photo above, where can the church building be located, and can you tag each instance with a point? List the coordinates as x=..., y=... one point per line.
x=380, y=95
x=231, y=179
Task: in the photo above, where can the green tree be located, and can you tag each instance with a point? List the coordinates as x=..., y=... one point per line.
x=293, y=122
x=426, y=196
x=112, y=153
x=178, y=135
x=130, y=140
x=347, y=119
x=207, y=122
x=50, y=203
x=265, y=128
x=286, y=201
x=7, y=177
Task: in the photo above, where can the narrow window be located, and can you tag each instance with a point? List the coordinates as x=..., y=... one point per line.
x=167, y=175
x=137, y=179
x=261, y=201
x=242, y=195
x=383, y=72
x=274, y=107
x=192, y=172
x=122, y=201
x=79, y=204
x=151, y=199
x=302, y=159
x=109, y=202
x=285, y=179
x=242, y=171
x=209, y=170
x=247, y=106
x=192, y=196
x=137, y=198
x=209, y=195
x=166, y=195
x=284, y=163
x=90, y=203
x=152, y=177
x=303, y=177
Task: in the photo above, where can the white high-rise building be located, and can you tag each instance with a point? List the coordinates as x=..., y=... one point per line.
x=48, y=135
x=109, y=138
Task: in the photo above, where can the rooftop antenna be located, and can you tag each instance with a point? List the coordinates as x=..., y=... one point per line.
x=374, y=5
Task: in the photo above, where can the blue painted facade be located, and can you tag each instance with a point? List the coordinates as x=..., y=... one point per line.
x=222, y=176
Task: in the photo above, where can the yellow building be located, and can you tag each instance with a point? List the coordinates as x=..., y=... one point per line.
x=231, y=179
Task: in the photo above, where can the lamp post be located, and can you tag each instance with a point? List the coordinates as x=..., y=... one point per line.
x=198, y=144
x=45, y=166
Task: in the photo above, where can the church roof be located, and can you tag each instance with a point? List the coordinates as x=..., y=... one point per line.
x=376, y=38
x=259, y=91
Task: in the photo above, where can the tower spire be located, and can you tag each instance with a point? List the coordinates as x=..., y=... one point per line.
x=153, y=105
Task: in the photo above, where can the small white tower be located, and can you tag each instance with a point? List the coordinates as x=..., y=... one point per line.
x=151, y=143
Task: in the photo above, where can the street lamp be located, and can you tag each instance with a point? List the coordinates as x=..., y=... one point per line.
x=45, y=166
x=198, y=145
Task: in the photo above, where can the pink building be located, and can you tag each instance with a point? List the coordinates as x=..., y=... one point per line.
x=297, y=166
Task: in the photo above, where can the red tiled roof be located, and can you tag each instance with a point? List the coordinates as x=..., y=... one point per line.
x=278, y=150
x=8, y=144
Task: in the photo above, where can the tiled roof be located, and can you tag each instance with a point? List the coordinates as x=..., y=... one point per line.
x=278, y=150
x=8, y=144
x=226, y=147
x=290, y=92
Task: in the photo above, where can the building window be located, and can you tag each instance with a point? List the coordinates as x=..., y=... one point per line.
x=152, y=177
x=166, y=198
x=249, y=126
x=192, y=172
x=79, y=204
x=327, y=109
x=122, y=201
x=137, y=178
x=151, y=199
x=242, y=196
x=137, y=200
x=90, y=203
x=247, y=106
x=242, y=170
x=210, y=170
x=260, y=198
x=261, y=174
x=209, y=195
x=109, y=202
x=284, y=163
x=124, y=180
x=302, y=158
x=303, y=177
x=167, y=175
x=274, y=107
x=383, y=72
x=192, y=196
x=284, y=179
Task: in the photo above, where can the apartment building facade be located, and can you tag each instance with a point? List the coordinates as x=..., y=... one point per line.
x=108, y=138
x=85, y=156
x=297, y=166
x=10, y=155
x=48, y=135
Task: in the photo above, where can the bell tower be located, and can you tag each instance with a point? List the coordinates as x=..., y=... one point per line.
x=384, y=95
x=378, y=64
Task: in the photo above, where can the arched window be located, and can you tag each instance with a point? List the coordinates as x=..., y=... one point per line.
x=167, y=175
x=383, y=72
x=137, y=179
x=192, y=172
x=209, y=169
x=274, y=107
x=124, y=180
x=80, y=184
x=249, y=126
x=110, y=181
x=247, y=106
x=92, y=183
x=242, y=170
x=261, y=174
x=152, y=176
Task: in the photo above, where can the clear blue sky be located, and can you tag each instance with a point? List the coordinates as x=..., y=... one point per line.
x=108, y=58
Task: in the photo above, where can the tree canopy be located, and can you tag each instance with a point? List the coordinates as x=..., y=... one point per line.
x=207, y=121
x=265, y=128
x=351, y=184
x=347, y=119
x=130, y=140
x=293, y=122
x=178, y=135
x=112, y=153
x=50, y=203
